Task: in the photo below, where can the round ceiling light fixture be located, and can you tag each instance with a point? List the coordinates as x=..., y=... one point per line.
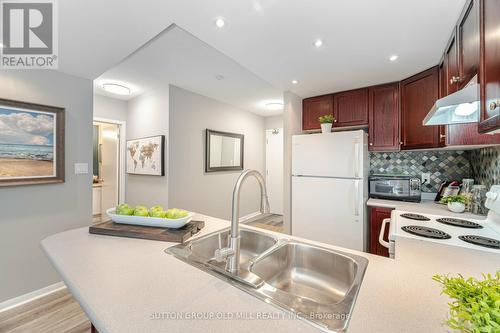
x=274, y=106
x=318, y=43
x=295, y=82
x=116, y=89
x=220, y=22
x=393, y=57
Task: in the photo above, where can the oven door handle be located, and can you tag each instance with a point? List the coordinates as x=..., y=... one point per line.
x=382, y=232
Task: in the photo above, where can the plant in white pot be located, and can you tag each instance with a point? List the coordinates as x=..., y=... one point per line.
x=456, y=203
x=326, y=122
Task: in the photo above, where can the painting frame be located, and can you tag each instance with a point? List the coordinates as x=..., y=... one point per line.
x=208, y=167
x=58, y=142
x=162, y=155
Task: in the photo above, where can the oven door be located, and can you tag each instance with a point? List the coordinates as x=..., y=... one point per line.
x=390, y=188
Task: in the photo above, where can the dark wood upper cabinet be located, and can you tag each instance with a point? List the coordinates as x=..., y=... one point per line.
x=468, y=66
x=383, y=107
x=490, y=65
x=350, y=108
x=468, y=38
x=418, y=95
x=313, y=108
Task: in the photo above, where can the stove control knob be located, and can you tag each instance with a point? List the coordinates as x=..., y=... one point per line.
x=492, y=195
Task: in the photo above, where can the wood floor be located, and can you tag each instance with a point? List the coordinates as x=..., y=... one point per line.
x=54, y=313
x=273, y=222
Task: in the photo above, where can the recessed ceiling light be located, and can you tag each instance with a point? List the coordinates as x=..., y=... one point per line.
x=116, y=89
x=274, y=106
x=393, y=57
x=295, y=82
x=220, y=22
x=318, y=43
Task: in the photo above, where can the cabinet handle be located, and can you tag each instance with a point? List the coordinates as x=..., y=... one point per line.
x=455, y=79
x=494, y=104
x=400, y=143
x=442, y=136
x=371, y=143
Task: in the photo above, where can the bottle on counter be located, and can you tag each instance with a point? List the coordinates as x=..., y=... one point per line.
x=479, y=197
x=467, y=186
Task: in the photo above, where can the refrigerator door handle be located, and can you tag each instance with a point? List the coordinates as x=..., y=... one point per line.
x=356, y=159
x=357, y=200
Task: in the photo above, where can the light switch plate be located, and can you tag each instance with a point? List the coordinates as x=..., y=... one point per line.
x=81, y=168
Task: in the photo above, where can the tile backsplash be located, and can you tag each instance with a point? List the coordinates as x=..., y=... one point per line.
x=441, y=164
x=485, y=165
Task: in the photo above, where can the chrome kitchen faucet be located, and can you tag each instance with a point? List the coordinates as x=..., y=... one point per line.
x=232, y=252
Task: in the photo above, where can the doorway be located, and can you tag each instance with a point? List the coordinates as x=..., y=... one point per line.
x=107, y=187
x=274, y=169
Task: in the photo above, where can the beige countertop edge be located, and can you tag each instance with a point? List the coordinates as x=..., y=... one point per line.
x=424, y=207
x=121, y=282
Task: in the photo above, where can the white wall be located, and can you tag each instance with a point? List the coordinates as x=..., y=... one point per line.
x=148, y=116
x=109, y=108
x=274, y=122
x=28, y=214
x=190, y=187
x=292, y=122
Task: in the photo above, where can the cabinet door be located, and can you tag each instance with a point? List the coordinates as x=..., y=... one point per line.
x=490, y=65
x=451, y=65
x=377, y=215
x=383, y=109
x=468, y=43
x=350, y=108
x=313, y=108
x=418, y=95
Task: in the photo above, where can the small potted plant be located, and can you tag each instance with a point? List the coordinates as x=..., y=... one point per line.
x=456, y=203
x=326, y=122
x=475, y=305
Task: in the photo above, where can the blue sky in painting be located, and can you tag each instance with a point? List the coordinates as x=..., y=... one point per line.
x=25, y=127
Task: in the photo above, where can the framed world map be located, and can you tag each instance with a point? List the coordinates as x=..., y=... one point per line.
x=146, y=156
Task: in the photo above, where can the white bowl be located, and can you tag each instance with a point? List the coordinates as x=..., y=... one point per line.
x=456, y=207
x=149, y=221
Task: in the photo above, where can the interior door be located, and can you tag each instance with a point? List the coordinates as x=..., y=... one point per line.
x=274, y=169
x=109, y=166
x=329, y=210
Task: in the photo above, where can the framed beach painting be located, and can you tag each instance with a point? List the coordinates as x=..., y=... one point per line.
x=31, y=143
x=145, y=156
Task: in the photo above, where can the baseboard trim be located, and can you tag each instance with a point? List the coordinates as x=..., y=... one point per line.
x=245, y=218
x=23, y=299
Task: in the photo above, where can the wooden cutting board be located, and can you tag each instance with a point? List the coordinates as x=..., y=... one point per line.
x=180, y=235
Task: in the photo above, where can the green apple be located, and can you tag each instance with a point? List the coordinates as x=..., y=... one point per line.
x=141, y=211
x=175, y=213
x=157, y=213
x=124, y=209
x=155, y=208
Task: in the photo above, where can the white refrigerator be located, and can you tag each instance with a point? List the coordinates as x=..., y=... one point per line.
x=330, y=189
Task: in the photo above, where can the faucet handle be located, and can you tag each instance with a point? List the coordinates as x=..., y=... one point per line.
x=222, y=254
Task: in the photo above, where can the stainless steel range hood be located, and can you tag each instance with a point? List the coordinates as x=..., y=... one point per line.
x=461, y=107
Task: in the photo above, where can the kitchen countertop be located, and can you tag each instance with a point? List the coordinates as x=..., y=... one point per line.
x=131, y=285
x=423, y=207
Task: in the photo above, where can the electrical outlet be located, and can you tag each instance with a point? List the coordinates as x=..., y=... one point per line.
x=426, y=177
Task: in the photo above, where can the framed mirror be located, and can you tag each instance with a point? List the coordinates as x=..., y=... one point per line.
x=223, y=151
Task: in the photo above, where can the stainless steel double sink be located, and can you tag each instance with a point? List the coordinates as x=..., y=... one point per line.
x=313, y=283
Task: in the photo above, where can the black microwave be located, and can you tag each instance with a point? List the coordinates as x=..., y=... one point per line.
x=403, y=188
